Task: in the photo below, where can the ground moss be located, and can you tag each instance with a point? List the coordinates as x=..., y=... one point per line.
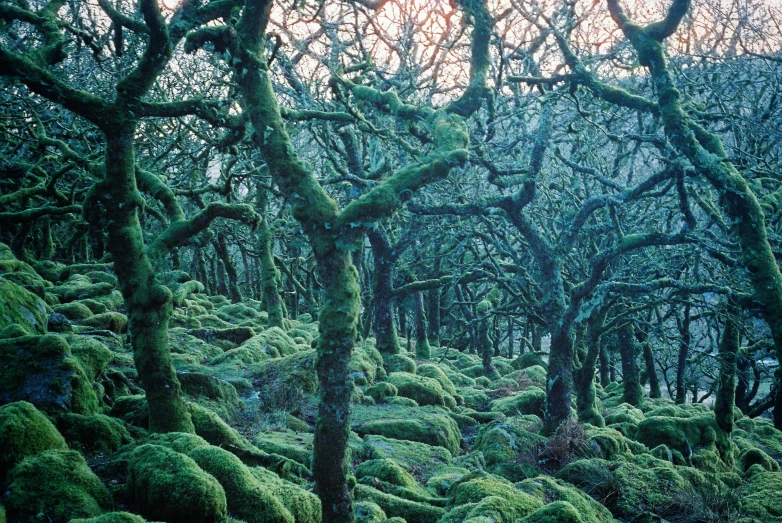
x=169, y=486
x=760, y=494
x=681, y=434
x=389, y=471
x=531, y=400
x=399, y=363
x=557, y=512
x=429, y=425
x=419, y=458
x=609, y=443
x=410, y=511
x=247, y=498
x=212, y=392
x=423, y=390
x=381, y=391
x=297, y=447
x=501, y=443
x=296, y=371
x=214, y=429
x=528, y=359
x=133, y=409
x=55, y=486
x=112, y=517
x=368, y=512
x=750, y=457
x=112, y=321
x=366, y=365
x=18, y=306
x=93, y=355
x=401, y=401
x=435, y=372
x=93, y=433
x=239, y=314
x=550, y=489
x=480, y=488
x=181, y=442
x=24, y=432
x=303, y=505
x=43, y=371
x=75, y=311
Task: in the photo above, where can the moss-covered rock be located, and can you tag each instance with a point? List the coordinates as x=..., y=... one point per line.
x=429, y=425
x=111, y=321
x=399, y=363
x=214, y=429
x=609, y=443
x=381, y=391
x=529, y=401
x=56, y=486
x=18, y=306
x=760, y=495
x=386, y=470
x=419, y=458
x=435, y=372
x=410, y=511
x=168, y=486
x=43, y=371
x=528, y=359
x=557, y=512
x=91, y=352
x=501, y=443
x=24, y=432
x=132, y=409
x=112, y=517
x=211, y=392
x=368, y=512
x=423, y=390
x=482, y=492
x=74, y=311
x=750, y=457
x=296, y=371
x=247, y=497
x=297, y=447
x=678, y=433
x=94, y=433
x=80, y=287
x=548, y=489
x=303, y=505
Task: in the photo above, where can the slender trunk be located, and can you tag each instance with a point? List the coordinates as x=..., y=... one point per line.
x=560, y=378
x=384, y=326
x=511, y=334
x=726, y=392
x=47, y=243
x=495, y=340
x=605, y=365
x=422, y=349
x=651, y=370
x=147, y=301
x=584, y=376
x=270, y=276
x=232, y=283
x=433, y=315
x=631, y=376
x=684, y=350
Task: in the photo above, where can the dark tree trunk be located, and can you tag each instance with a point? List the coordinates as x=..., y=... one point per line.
x=684, y=350
x=631, y=376
x=422, y=348
x=382, y=299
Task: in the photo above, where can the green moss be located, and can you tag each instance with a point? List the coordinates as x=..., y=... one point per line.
x=56, y=486
x=760, y=495
x=552, y=490
x=18, y=306
x=74, y=311
x=425, y=391
x=213, y=429
x=132, y=409
x=24, y=432
x=557, y=512
x=402, y=402
x=609, y=443
x=212, y=392
x=528, y=359
x=168, y=486
x=445, y=479
x=93, y=355
x=94, y=433
x=531, y=400
x=475, y=399
x=112, y=517
x=80, y=287
x=181, y=442
x=368, y=512
x=501, y=442
x=389, y=471
x=681, y=434
x=239, y=313
x=411, y=511
x=419, y=458
x=428, y=425
x=297, y=447
x=435, y=372
x=399, y=363
x=42, y=370
x=366, y=365
x=624, y=413
x=247, y=497
x=463, y=421
x=112, y=321
x=303, y=505
x=751, y=457
x=494, y=498
x=295, y=371
x=380, y=391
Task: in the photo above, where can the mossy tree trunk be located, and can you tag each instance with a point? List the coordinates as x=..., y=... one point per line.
x=651, y=370
x=726, y=391
x=232, y=281
x=270, y=276
x=485, y=346
x=382, y=296
x=511, y=334
x=584, y=375
x=422, y=349
x=631, y=374
x=707, y=155
x=684, y=353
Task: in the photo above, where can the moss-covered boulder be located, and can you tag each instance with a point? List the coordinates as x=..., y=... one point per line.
x=132, y=409
x=399, y=363
x=481, y=493
x=529, y=401
x=419, y=458
x=430, y=425
x=168, y=486
x=381, y=391
x=111, y=321
x=557, y=512
x=55, y=486
x=678, y=433
x=550, y=490
x=387, y=470
x=247, y=498
x=528, y=359
x=435, y=372
x=423, y=390
x=211, y=392
x=754, y=456
x=93, y=433
x=303, y=505
x=368, y=512
x=760, y=495
x=80, y=287
x=18, y=306
x=43, y=371
x=410, y=511
x=503, y=442
x=297, y=447
x=24, y=432
x=92, y=353
x=112, y=517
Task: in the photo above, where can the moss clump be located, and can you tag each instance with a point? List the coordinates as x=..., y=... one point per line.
x=389, y=471
x=531, y=400
x=680, y=434
x=168, y=486
x=501, y=442
x=93, y=355
x=479, y=487
x=95, y=433
x=549, y=489
x=80, y=287
x=398, y=363
x=395, y=506
x=56, y=486
x=43, y=371
x=133, y=409
x=366, y=365
x=624, y=413
x=115, y=322
x=304, y=506
x=247, y=497
x=296, y=371
x=750, y=457
x=419, y=458
x=423, y=390
x=24, y=432
x=213, y=429
x=112, y=517
x=528, y=359
x=212, y=392
x=609, y=443
x=297, y=447
x=429, y=425
x=18, y=306
x=381, y=391
x=435, y=372
x=557, y=512
x=74, y=311
x=368, y=512
x=760, y=495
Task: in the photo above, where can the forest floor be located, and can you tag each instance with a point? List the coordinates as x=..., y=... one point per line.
x=431, y=441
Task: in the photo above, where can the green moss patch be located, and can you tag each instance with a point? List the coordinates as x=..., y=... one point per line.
x=420, y=459
x=20, y=307
x=93, y=433
x=429, y=425
x=529, y=401
x=423, y=390
x=410, y=511
x=24, y=432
